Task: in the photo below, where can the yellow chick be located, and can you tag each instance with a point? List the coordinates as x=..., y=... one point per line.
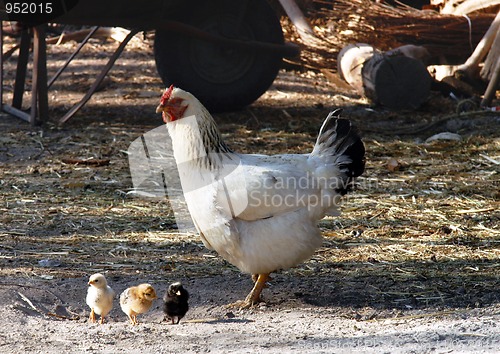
x=99, y=297
x=136, y=300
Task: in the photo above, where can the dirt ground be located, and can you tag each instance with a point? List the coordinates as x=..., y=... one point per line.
x=411, y=266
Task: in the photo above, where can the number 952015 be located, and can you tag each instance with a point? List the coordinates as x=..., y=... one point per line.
x=28, y=8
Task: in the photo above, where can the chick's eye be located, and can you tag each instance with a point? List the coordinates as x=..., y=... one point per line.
x=96, y=281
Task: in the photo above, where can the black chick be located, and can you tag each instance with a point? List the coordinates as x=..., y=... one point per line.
x=175, y=302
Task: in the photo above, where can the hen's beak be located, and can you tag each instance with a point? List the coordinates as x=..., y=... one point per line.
x=160, y=108
x=172, y=109
x=163, y=109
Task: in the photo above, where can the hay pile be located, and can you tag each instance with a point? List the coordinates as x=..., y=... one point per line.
x=338, y=23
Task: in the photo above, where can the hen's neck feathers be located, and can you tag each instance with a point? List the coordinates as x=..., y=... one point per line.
x=196, y=138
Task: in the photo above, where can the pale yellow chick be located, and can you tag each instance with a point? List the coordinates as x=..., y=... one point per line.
x=136, y=300
x=99, y=297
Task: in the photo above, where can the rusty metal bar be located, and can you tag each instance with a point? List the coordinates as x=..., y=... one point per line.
x=99, y=79
x=287, y=50
x=72, y=56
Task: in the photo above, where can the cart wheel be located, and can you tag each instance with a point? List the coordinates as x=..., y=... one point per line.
x=223, y=78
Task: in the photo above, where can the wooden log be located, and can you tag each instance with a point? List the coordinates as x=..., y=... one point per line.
x=438, y=72
x=411, y=51
x=492, y=86
x=396, y=82
x=300, y=22
x=471, y=67
x=350, y=62
x=491, y=72
x=463, y=7
x=490, y=62
x=397, y=79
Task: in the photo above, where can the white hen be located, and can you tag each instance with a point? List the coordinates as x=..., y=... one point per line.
x=258, y=212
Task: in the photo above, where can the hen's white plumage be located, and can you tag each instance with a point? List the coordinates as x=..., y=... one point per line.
x=258, y=212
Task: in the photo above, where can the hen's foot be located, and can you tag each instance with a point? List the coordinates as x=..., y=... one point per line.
x=254, y=297
x=241, y=304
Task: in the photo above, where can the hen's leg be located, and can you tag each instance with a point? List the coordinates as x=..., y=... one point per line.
x=255, y=277
x=92, y=316
x=254, y=296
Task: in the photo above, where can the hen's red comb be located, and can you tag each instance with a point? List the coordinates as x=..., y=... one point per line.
x=166, y=95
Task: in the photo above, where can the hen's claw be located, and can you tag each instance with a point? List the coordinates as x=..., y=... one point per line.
x=253, y=297
x=242, y=304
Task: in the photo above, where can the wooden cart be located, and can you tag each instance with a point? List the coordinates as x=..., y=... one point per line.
x=227, y=53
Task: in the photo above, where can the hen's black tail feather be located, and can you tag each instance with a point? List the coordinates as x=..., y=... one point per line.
x=339, y=143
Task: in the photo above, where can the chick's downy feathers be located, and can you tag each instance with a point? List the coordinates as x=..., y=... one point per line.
x=99, y=297
x=136, y=300
x=175, y=302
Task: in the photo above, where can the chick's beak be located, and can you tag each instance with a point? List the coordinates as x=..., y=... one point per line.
x=178, y=293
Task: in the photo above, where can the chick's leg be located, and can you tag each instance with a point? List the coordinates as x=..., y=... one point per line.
x=133, y=318
x=92, y=316
x=101, y=321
